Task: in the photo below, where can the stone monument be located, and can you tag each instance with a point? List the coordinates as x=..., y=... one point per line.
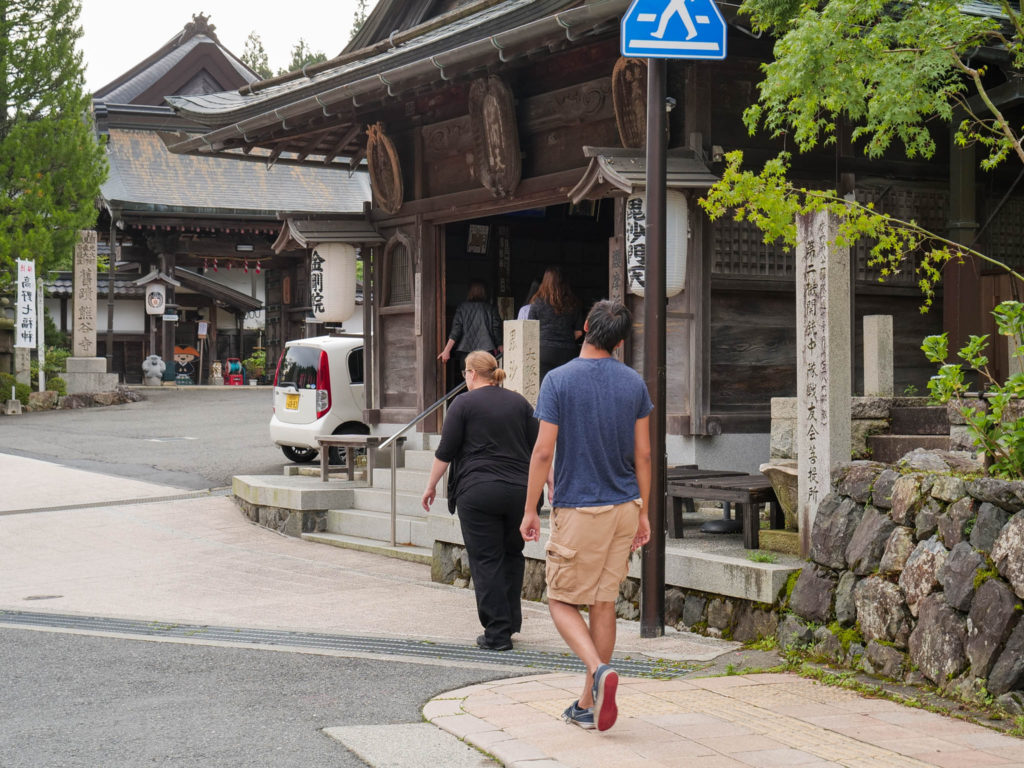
x=878, y=354
x=85, y=371
x=522, y=358
x=823, y=362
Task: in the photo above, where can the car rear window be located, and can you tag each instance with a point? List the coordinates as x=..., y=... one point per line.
x=299, y=367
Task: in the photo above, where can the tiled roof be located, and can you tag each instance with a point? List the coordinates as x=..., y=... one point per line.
x=501, y=17
x=128, y=91
x=145, y=176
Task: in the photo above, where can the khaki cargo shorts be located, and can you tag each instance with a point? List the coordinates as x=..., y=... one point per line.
x=588, y=552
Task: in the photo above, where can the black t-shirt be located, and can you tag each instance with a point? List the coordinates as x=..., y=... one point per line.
x=556, y=329
x=489, y=433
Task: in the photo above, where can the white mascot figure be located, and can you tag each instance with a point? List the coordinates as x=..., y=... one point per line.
x=153, y=370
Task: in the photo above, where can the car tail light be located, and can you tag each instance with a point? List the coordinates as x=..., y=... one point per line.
x=323, y=386
x=277, y=372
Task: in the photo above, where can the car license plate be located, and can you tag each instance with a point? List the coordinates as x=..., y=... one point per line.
x=291, y=402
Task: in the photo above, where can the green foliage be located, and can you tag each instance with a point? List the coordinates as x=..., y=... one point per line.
x=59, y=339
x=254, y=56
x=21, y=391
x=889, y=70
x=303, y=55
x=760, y=556
x=767, y=643
x=53, y=366
x=360, y=18
x=892, y=72
x=847, y=636
x=771, y=202
x=984, y=574
x=256, y=363
x=51, y=165
x=997, y=430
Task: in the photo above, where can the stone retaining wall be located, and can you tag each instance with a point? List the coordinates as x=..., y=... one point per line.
x=917, y=573
x=714, y=615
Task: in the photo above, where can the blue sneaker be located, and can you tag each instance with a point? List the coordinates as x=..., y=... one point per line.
x=606, y=682
x=584, y=718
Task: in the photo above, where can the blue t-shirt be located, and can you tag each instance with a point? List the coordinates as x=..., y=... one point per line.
x=595, y=402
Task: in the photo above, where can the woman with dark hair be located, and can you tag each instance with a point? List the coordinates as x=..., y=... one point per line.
x=561, y=324
x=488, y=437
x=476, y=325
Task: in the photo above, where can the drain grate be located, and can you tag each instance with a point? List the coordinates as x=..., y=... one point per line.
x=543, y=660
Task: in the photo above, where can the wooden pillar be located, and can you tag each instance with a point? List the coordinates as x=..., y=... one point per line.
x=961, y=283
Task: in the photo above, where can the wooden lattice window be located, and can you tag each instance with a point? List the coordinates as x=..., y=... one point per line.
x=398, y=269
x=925, y=205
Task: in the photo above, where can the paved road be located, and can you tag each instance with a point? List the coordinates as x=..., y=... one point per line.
x=186, y=437
x=81, y=701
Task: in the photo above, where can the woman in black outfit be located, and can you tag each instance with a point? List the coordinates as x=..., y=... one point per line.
x=561, y=324
x=489, y=434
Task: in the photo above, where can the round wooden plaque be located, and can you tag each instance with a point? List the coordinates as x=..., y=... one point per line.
x=385, y=171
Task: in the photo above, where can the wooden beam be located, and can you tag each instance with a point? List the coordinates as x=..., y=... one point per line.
x=345, y=140
x=356, y=159
x=311, y=145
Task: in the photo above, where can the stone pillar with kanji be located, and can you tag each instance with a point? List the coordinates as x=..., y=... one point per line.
x=85, y=371
x=521, y=358
x=823, y=331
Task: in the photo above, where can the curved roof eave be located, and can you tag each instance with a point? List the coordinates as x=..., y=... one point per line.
x=238, y=115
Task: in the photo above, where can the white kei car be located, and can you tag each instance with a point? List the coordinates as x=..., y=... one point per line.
x=318, y=390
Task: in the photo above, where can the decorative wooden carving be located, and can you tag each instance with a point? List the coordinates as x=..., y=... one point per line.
x=385, y=171
x=629, y=97
x=492, y=115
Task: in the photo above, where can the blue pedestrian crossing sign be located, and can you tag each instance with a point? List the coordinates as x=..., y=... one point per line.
x=673, y=29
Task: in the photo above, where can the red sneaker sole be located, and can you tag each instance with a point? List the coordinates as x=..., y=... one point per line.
x=607, y=711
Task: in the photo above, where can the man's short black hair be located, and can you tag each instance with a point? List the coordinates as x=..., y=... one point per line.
x=608, y=323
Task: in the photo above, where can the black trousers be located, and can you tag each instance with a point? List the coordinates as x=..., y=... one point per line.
x=490, y=514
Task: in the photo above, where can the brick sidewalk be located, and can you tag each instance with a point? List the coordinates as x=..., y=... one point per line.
x=740, y=721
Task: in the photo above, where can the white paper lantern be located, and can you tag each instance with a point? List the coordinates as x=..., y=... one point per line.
x=332, y=284
x=677, y=229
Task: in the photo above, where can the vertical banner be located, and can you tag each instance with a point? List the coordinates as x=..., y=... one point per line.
x=25, y=332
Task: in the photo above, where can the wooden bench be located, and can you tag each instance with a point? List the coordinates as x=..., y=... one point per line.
x=746, y=492
x=351, y=443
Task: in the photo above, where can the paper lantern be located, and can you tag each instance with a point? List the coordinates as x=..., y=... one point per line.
x=333, y=282
x=677, y=230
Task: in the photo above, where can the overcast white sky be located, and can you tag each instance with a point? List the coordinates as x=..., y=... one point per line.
x=121, y=33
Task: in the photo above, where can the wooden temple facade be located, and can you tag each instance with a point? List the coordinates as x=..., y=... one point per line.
x=209, y=224
x=503, y=136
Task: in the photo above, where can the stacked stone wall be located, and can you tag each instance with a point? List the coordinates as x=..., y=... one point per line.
x=917, y=573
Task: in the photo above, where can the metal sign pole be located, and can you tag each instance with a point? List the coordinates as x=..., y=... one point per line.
x=652, y=591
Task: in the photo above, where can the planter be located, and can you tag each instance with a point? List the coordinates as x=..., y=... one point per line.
x=783, y=474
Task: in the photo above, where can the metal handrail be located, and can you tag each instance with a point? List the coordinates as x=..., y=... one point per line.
x=394, y=463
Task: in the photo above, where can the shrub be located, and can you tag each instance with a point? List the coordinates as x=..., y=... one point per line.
x=21, y=391
x=998, y=430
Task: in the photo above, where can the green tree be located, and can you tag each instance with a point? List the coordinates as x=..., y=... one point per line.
x=303, y=55
x=51, y=165
x=255, y=56
x=360, y=18
x=891, y=71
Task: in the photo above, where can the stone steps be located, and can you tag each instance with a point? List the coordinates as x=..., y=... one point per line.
x=919, y=420
x=889, y=449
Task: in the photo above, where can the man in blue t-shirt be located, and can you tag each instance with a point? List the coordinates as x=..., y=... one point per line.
x=594, y=411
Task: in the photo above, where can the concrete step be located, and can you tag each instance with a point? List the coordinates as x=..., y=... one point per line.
x=419, y=460
x=408, y=481
x=365, y=524
x=401, y=551
x=379, y=500
x=891, y=448
x=921, y=420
